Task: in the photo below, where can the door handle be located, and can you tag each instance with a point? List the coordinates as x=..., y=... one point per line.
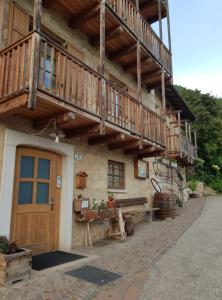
x=52, y=203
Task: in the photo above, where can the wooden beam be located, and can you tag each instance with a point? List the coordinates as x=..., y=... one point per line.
x=123, y=145
x=123, y=52
x=13, y=106
x=110, y=34
x=151, y=74
x=102, y=51
x=151, y=154
x=132, y=66
x=138, y=150
x=37, y=15
x=35, y=55
x=168, y=26
x=61, y=120
x=84, y=17
x=139, y=83
x=83, y=131
x=106, y=139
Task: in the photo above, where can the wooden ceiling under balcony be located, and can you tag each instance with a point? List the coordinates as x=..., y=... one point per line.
x=121, y=45
x=149, y=10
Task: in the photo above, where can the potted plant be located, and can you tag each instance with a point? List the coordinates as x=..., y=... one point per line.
x=15, y=262
x=103, y=210
x=111, y=201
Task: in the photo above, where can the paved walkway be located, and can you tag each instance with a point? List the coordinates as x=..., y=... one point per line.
x=192, y=269
x=132, y=259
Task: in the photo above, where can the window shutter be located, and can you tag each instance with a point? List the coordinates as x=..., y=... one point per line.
x=18, y=24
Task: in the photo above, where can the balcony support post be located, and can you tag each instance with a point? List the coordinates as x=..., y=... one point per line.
x=137, y=4
x=102, y=65
x=35, y=55
x=190, y=137
x=169, y=32
x=161, y=56
x=139, y=87
x=195, y=141
x=186, y=129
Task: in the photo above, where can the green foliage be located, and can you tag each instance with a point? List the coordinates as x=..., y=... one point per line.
x=208, y=112
x=6, y=247
x=192, y=185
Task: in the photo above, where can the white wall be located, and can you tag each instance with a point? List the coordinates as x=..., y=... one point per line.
x=12, y=140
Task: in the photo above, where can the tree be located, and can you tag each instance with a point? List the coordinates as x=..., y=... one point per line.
x=208, y=112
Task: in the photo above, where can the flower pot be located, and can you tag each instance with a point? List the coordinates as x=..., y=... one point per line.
x=111, y=204
x=90, y=214
x=15, y=267
x=104, y=213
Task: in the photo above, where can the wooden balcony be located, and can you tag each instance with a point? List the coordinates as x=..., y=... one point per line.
x=149, y=10
x=181, y=149
x=124, y=27
x=80, y=100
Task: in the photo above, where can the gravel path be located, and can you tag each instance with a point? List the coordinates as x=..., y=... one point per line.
x=192, y=269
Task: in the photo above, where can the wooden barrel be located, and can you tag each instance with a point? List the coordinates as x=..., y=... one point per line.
x=167, y=202
x=129, y=224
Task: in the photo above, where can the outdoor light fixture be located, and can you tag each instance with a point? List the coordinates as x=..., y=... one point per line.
x=57, y=135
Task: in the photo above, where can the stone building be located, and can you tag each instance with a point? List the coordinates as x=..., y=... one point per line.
x=85, y=87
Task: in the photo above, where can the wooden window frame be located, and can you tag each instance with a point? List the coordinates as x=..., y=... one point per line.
x=111, y=176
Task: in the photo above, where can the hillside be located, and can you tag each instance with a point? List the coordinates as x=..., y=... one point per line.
x=208, y=111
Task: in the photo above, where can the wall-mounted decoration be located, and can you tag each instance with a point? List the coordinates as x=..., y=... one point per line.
x=141, y=169
x=81, y=180
x=80, y=204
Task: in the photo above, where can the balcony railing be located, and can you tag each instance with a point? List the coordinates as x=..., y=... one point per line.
x=128, y=13
x=178, y=145
x=188, y=148
x=64, y=77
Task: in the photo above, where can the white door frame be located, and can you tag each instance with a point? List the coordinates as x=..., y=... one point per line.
x=12, y=140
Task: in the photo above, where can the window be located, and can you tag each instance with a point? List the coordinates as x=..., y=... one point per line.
x=116, y=175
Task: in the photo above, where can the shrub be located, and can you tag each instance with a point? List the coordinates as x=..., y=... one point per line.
x=216, y=184
x=6, y=247
x=192, y=185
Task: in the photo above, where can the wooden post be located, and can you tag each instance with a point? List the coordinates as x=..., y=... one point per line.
x=139, y=89
x=186, y=129
x=102, y=65
x=160, y=21
x=195, y=141
x=139, y=82
x=37, y=15
x=190, y=138
x=137, y=4
x=168, y=26
x=161, y=55
x=35, y=55
x=169, y=37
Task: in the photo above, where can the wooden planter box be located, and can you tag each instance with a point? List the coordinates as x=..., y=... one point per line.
x=15, y=267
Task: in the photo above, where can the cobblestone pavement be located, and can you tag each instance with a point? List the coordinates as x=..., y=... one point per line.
x=192, y=268
x=132, y=259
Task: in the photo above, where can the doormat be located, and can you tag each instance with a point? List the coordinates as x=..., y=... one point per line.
x=94, y=275
x=52, y=259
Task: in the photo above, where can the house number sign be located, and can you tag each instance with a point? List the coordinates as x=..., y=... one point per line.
x=59, y=182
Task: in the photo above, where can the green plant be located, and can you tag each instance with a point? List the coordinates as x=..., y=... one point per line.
x=95, y=204
x=192, y=185
x=7, y=247
x=102, y=205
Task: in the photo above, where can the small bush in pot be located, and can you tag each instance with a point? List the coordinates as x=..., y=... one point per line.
x=7, y=247
x=15, y=262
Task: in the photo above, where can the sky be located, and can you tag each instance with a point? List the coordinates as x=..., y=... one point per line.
x=196, y=31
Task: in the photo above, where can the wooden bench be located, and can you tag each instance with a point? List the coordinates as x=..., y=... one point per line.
x=130, y=206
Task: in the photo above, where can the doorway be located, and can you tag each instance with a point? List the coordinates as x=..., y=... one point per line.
x=36, y=200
